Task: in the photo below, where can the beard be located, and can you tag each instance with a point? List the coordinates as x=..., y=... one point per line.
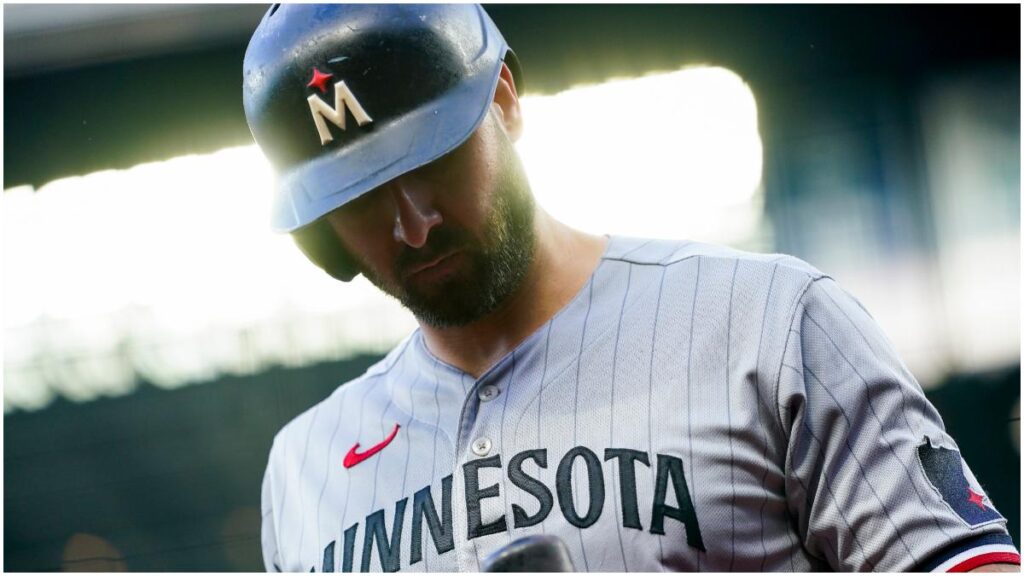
x=493, y=266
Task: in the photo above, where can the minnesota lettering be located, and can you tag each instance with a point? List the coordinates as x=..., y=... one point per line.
x=669, y=476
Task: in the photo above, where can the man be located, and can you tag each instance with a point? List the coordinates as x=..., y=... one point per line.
x=654, y=405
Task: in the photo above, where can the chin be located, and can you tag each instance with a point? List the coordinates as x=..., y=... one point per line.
x=458, y=300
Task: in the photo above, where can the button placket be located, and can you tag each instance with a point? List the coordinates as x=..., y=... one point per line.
x=482, y=445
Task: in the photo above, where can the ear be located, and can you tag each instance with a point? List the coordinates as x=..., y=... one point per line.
x=506, y=104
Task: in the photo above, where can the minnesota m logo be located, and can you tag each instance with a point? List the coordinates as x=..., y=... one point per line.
x=343, y=100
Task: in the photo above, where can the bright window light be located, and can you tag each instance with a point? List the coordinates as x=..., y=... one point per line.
x=167, y=271
x=673, y=155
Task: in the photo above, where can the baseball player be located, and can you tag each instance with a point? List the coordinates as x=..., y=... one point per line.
x=654, y=405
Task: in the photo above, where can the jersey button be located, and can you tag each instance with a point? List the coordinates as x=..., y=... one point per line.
x=488, y=392
x=481, y=446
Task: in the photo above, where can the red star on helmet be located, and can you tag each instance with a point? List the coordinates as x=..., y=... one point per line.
x=319, y=80
x=975, y=498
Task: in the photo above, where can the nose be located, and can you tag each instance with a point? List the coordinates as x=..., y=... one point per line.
x=415, y=213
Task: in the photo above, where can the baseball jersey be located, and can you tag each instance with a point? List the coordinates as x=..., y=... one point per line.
x=693, y=407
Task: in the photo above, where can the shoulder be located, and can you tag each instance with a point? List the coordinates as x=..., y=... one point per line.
x=660, y=252
x=295, y=430
x=712, y=259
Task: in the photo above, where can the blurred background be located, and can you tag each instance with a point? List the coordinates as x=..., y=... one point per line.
x=156, y=335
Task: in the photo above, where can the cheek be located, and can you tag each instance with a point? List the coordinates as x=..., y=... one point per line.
x=471, y=193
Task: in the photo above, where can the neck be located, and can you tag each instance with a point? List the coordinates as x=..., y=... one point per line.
x=563, y=261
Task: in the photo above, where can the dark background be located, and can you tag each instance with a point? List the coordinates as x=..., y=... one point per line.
x=82, y=118
x=171, y=478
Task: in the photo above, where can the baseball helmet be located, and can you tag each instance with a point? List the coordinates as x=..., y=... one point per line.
x=344, y=98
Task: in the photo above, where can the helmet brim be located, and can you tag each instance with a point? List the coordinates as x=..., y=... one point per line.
x=310, y=191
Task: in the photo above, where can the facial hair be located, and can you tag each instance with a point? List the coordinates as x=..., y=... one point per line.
x=494, y=265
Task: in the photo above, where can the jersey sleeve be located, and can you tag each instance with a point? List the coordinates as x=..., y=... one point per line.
x=872, y=478
x=268, y=531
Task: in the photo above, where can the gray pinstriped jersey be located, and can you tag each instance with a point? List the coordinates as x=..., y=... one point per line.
x=692, y=408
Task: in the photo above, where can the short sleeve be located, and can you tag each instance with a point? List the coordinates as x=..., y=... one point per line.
x=268, y=533
x=873, y=479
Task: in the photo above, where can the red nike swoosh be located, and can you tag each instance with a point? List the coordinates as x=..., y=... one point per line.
x=354, y=457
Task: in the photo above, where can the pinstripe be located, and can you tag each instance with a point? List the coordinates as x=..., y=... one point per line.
x=882, y=428
x=728, y=418
x=384, y=429
x=540, y=396
x=462, y=380
x=284, y=494
x=284, y=484
x=376, y=467
x=689, y=397
x=576, y=405
x=302, y=493
x=828, y=486
x=504, y=404
x=359, y=433
x=412, y=415
x=903, y=397
x=903, y=401
x=437, y=422
x=764, y=432
x=408, y=451
x=433, y=457
x=786, y=522
x=650, y=388
x=611, y=421
x=569, y=366
x=327, y=472
x=327, y=466
x=860, y=465
x=794, y=307
x=408, y=443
